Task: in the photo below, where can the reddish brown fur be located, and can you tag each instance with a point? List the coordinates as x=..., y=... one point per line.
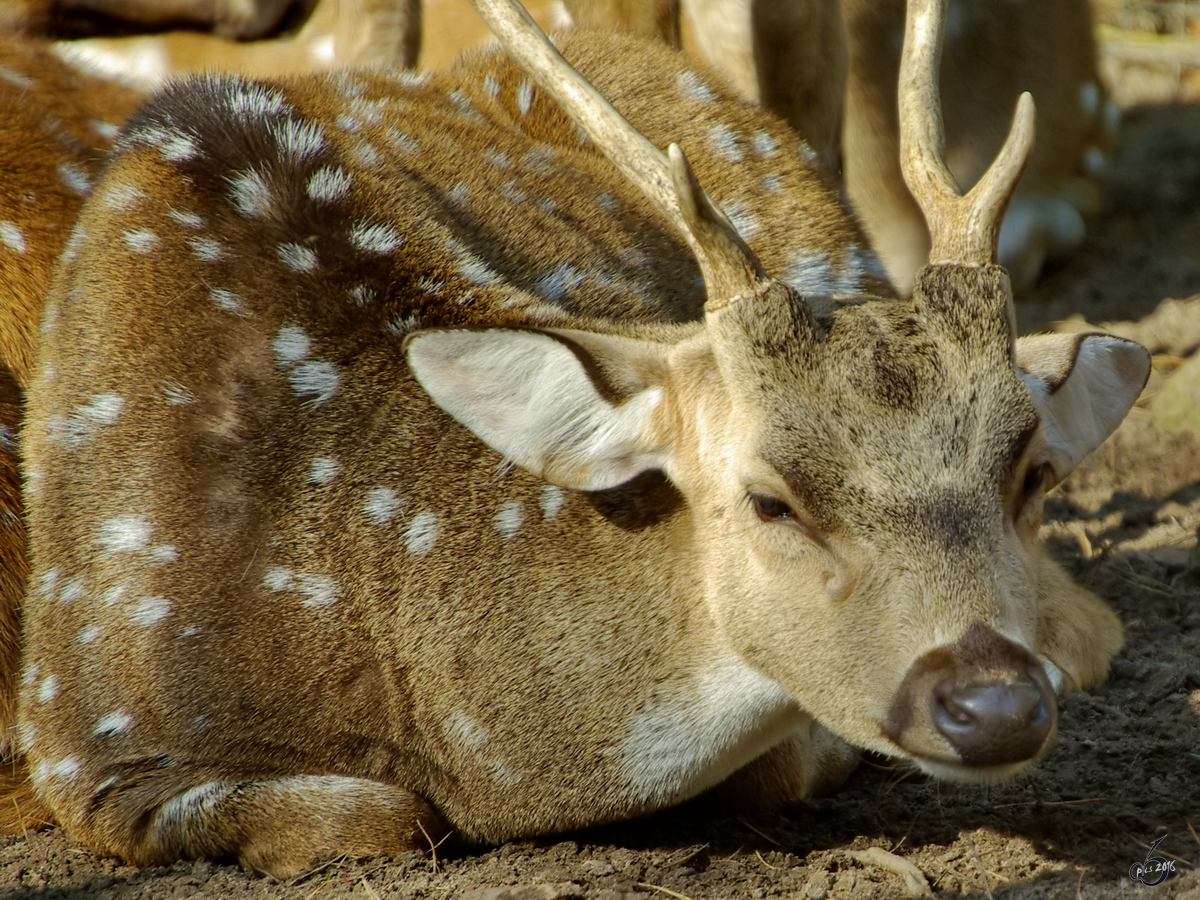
x=58, y=125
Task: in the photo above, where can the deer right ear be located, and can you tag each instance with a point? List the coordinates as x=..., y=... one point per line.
x=530, y=397
x=1082, y=386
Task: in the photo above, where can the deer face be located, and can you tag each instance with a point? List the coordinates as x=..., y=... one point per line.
x=865, y=492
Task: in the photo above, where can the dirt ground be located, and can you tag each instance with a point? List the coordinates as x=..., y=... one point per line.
x=1124, y=773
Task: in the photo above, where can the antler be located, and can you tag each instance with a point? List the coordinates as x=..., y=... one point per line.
x=962, y=229
x=729, y=267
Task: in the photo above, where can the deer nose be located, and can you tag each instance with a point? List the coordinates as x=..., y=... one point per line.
x=993, y=724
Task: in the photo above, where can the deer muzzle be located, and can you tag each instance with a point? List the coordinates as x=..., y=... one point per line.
x=982, y=705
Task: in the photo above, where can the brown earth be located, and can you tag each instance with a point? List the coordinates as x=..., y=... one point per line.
x=1125, y=770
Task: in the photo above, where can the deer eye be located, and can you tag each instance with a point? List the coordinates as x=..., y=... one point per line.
x=772, y=509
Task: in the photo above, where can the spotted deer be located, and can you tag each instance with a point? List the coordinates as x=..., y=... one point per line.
x=421, y=454
x=830, y=68
x=62, y=105
x=58, y=124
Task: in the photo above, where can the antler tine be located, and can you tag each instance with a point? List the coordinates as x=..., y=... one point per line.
x=729, y=267
x=962, y=229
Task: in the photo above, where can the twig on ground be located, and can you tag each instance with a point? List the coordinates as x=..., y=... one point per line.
x=663, y=890
x=761, y=834
x=763, y=861
x=915, y=881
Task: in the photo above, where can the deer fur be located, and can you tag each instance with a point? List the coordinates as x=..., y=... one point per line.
x=427, y=486
x=58, y=123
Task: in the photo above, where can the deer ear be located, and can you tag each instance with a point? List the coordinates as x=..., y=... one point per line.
x=534, y=398
x=1082, y=385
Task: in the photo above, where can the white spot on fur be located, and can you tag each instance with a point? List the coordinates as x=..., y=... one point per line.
x=163, y=554
x=113, y=724
x=71, y=591
x=553, y=286
x=114, y=594
x=226, y=300
x=30, y=674
x=297, y=257
x=742, y=218
x=809, y=272
x=471, y=738
x=551, y=500
x=724, y=142
x=316, y=380
x=149, y=610
x=323, y=470
x=277, y=578
x=65, y=769
x=186, y=218
x=125, y=534
x=48, y=689
x=88, y=634
x=250, y=194
x=248, y=100
x=491, y=85
x=11, y=236
x=122, y=197
x=764, y=144
x=328, y=184
x=75, y=178
x=298, y=139
x=403, y=143
x=291, y=344
x=693, y=87
x=381, y=505
x=524, y=97
x=366, y=154
x=317, y=590
x=206, y=249
x=421, y=533
x=375, y=238
x=508, y=518
x=772, y=183
x=141, y=240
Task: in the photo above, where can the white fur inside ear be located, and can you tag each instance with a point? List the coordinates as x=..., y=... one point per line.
x=528, y=397
x=1083, y=386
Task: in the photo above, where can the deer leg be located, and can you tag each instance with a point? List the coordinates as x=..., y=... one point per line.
x=278, y=826
x=810, y=763
x=1077, y=632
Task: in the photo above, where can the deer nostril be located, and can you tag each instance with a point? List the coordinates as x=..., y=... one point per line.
x=993, y=724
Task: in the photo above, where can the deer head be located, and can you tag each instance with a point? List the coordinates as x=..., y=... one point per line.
x=865, y=488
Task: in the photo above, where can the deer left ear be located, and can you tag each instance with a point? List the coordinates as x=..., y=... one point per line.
x=1083, y=385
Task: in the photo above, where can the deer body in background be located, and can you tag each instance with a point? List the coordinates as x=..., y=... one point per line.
x=58, y=124
x=829, y=67
x=393, y=466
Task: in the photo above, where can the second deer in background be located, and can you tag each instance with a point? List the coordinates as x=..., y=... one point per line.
x=829, y=67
